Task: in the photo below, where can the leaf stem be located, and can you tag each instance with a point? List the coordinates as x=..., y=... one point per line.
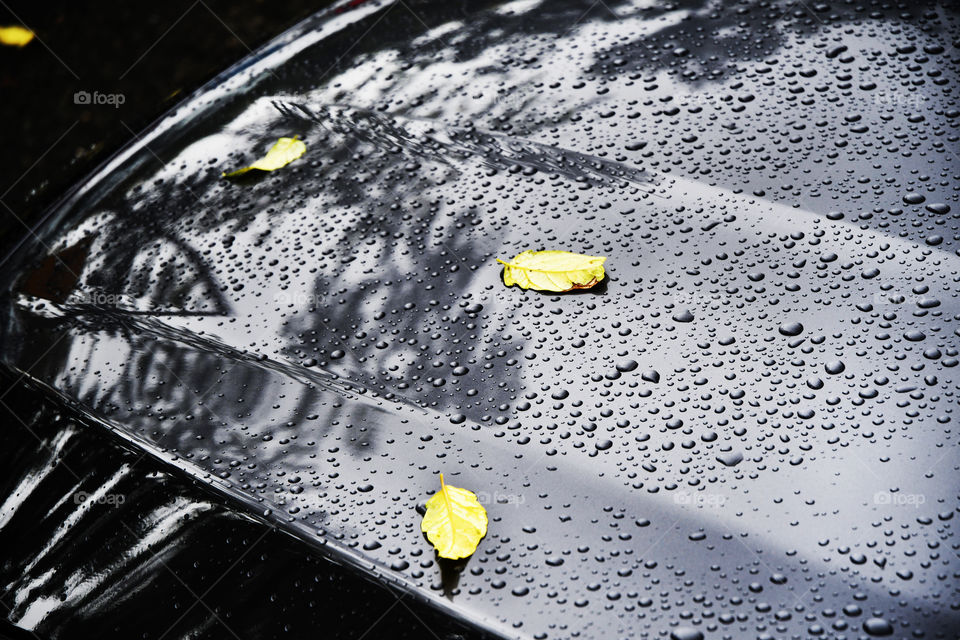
x=517, y=266
x=446, y=500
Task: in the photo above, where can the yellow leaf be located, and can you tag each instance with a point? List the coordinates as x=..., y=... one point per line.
x=455, y=521
x=285, y=151
x=553, y=270
x=15, y=36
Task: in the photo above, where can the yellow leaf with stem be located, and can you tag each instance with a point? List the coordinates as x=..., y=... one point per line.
x=285, y=151
x=15, y=36
x=455, y=521
x=557, y=271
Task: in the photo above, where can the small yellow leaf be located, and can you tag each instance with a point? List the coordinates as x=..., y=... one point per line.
x=285, y=151
x=553, y=270
x=15, y=36
x=455, y=521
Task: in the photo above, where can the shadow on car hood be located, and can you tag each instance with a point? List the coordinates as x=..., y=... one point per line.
x=745, y=430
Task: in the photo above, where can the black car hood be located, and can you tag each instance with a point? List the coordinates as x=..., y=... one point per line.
x=746, y=430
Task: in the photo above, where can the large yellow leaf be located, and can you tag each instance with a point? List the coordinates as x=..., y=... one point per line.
x=455, y=521
x=553, y=270
x=15, y=36
x=285, y=151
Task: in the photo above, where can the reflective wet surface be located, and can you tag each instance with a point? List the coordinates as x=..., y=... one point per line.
x=745, y=431
x=101, y=541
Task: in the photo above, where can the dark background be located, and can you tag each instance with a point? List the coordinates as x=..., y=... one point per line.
x=152, y=53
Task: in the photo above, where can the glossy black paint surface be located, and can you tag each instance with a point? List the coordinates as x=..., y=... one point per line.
x=746, y=431
x=169, y=560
